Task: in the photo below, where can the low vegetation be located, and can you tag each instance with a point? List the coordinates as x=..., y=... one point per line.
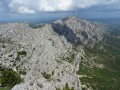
x=20, y=53
x=66, y=87
x=46, y=76
x=8, y=78
x=106, y=53
x=4, y=88
x=22, y=72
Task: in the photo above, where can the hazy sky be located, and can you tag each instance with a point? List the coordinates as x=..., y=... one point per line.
x=30, y=9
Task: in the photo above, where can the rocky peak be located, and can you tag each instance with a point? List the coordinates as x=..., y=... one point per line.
x=78, y=31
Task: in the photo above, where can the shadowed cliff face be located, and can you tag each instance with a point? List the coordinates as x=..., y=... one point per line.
x=84, y=34
x=64, y=30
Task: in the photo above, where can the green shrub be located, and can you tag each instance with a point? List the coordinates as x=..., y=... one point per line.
x=9, y=78
x=23, y=72
x=67, y=87
x=58, y=88
x=20, y=53
x=46, y=76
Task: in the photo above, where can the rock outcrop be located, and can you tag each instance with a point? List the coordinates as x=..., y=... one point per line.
x=50, y=55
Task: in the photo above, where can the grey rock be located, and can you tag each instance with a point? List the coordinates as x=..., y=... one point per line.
x=40, y=85
x=48, y=49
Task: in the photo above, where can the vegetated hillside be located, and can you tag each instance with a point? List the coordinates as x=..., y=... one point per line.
x=48, y=57
x=102, y=72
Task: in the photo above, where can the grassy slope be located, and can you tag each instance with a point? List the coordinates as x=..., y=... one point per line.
x=108, y=77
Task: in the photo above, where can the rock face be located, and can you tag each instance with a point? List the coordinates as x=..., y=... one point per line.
x=78, y=31
x=50, y=55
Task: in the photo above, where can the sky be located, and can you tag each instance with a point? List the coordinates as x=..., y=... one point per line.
x=30, y=10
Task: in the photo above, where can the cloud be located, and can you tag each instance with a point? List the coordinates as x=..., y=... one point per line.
x=36, y=6
x=29, y=6
x=24, y=9
x=84, y=3
x=54, y=5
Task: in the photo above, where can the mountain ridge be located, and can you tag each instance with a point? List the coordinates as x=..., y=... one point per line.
x=50, y=55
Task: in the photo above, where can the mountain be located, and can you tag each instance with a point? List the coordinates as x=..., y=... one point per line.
x=63, y=55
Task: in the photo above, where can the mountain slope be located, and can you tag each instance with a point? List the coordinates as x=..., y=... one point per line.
x=103, y=71
x=47, y=58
